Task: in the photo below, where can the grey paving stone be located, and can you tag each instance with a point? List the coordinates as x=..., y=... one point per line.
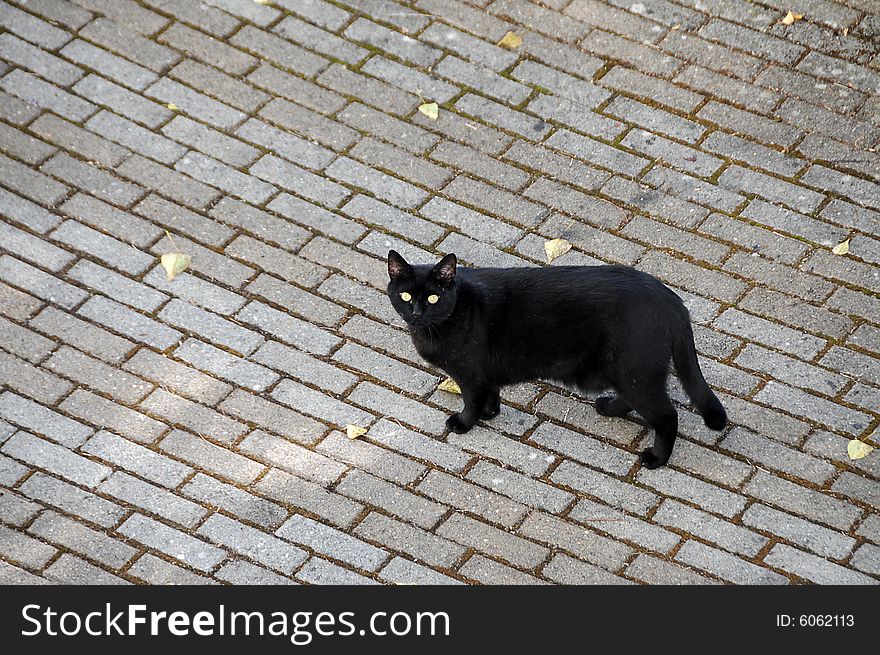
x=105, y=413
x=97, y=375
x=72, y=500
x=776, y=456
x=288, y=146
x=679, y=485
x=291, y=457
x=71, y=570
x=37, y=93
x=55, y=459
x=378, y=461
x=75, y=536
x=240, y=572
x=137, y=459
x=320, y=571
x=309, y=497
x=621, y=526
x=287, y=328
x=570, y=571
x=813, y=505
x=583, y=448
x=16, y=510
x=814, y=408
x=726, y=566
x=585, y=544
x=36, y=383
x=332, y=543
x=174, y=543
x=154, y=570
x=595, y=152
x=413, y=444
x=513, y=453
x=153, y=499
x=194, y=103
x=416, y=543
x=192, y=416
x=26, y=213
x=42, y=420
x=812, y=568
x=168, y=182
x=232, y=500
x=208, y=456
x=210, y=326
x=468, y=47
x=11, y=471
x=490, y=572
x=816, y=538
x=402, y=571
x=729, y=536
x=651, y=570
x=116, y=286
x=391, y=498
x=858, y=488
x=225, y=365
x=866, y=559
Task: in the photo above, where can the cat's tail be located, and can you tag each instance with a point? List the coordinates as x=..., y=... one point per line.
x=684, y=357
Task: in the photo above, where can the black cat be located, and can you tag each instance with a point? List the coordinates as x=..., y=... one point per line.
x=593, y=327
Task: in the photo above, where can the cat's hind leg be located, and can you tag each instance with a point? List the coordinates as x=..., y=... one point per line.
x=657, y=409
x=492, y=407
x=612, y=406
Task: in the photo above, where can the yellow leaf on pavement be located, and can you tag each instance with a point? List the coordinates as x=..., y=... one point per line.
x=841, y=248
x=858, y=449
x=430, y=109
x=511, y=41
x=556, y=248
x=354, y=431
x=791, y=17
x=449, y=385
x=174, y=263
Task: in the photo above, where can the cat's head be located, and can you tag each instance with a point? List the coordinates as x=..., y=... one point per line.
x=422, y=295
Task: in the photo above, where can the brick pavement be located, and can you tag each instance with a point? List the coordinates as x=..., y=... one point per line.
x=193, y=431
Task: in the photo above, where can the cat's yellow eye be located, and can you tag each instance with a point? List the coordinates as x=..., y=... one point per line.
x=433, y=298
x=405, y=297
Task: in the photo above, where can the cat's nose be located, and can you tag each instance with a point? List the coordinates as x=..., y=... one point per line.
x=417, y=312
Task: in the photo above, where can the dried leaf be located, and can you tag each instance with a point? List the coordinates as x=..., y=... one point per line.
x=858, y=449
x=511, y=41
x=450, y=386
x=841, y=248
x=172, y=106
x=790, y=18
x=430, y=109
x=354, y=431
x=556, y=248
x=174, y=263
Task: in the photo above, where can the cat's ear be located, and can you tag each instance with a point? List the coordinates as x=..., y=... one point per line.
x=397, y=266
x=444, y=271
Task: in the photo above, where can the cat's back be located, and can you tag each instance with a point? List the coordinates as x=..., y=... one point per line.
x=583, y=282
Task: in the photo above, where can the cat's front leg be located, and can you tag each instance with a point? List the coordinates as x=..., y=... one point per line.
x=474, y=404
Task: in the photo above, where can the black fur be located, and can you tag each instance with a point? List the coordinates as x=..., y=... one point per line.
x=592, y=327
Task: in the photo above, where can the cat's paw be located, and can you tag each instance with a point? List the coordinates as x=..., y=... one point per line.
x=456, y=424
x=491, y=410
x=611, y=406
x=650, y=460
